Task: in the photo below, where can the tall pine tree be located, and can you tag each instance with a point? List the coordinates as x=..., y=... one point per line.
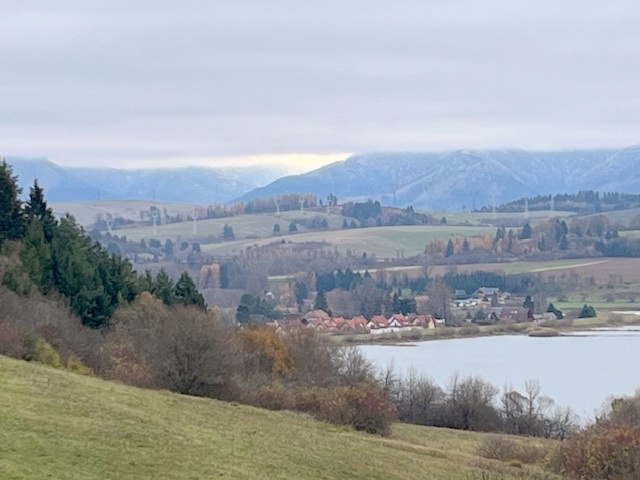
x=36, y=208
x=13, y=225
x=164, y=288
x=186, y=292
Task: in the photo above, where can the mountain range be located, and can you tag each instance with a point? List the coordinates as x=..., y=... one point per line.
x=436, y=181
x=464, y=178
x=186, y=185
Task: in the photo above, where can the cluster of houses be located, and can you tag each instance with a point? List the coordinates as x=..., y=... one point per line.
x=492, y=303
x=491, y=295
x=489, y=305
x=320, y=321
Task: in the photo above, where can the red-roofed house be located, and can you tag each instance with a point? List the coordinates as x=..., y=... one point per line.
x=315, y=315
x=397, y=320
x=357, y=325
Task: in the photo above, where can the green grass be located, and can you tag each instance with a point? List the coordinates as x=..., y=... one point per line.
x=597, y=304
x=55, y=424
x=619, y=216
x=86, y=212
x=630, y=233
x=478, y=218
x=532, y=267
x=254, y=225
x=384, y=242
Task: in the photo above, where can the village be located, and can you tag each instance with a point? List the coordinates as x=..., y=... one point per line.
x=485, y=306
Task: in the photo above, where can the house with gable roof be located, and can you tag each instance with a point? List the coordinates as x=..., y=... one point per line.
x=515, y=315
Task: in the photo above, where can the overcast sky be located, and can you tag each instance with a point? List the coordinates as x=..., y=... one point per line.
x=306, y=82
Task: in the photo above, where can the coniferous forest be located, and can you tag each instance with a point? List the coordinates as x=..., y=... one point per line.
x=58, y=256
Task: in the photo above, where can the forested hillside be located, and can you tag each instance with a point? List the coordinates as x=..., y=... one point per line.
x=57, y=256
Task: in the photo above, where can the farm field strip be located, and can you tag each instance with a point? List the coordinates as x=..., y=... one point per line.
x=383, y=242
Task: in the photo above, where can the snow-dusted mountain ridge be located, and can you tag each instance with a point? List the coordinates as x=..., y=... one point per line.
x=465, y=178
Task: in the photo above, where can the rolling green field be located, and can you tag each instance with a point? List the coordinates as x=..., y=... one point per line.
x=534, y=267
x=253, y=226
x=620, y=216
x=630, y=233
x=86, y=212
x=384, y=242
x=252, y=229
x=60, y=425
x=479, y=218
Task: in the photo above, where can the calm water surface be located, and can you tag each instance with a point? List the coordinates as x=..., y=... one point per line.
x=579, y=370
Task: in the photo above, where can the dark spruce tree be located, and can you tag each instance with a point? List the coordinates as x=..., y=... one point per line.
x=186, y=292
x=227, y=233
x=36, y=257
x=321, y=302
x=36, y=208
x=449, y=250
x=61, y=256
x=528, y=303
x=526, y=232
x=13, y=224
x=94, y=281
x=163, y=288
x=300, y=291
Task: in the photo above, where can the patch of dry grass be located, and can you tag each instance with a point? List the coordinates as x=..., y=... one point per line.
x=59, y=425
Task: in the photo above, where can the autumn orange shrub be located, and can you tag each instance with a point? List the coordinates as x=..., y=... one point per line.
x=363, y=406
x=264, y=351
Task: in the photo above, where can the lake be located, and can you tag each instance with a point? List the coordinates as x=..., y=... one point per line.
x=580, y=370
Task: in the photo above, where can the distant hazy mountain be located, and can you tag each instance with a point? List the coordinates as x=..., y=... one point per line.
x=470, y=178
x=187, y=185
x=437, y=181
x=59, y=183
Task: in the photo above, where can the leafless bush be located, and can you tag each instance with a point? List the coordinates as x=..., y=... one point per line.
x=469, y=330
x=470, y=405
x=498, y=447
x=36, y=316
x=180, y=348
x=362, y=406
x=493, y=471
x=417, y=398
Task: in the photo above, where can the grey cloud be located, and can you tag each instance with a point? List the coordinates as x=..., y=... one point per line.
x=93, y=81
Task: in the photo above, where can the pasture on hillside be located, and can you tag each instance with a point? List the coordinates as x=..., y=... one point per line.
x=619, y=216
x=246, y=228
x=56, y=424
x=86, y=212
x=506, y=218
x=383, y=242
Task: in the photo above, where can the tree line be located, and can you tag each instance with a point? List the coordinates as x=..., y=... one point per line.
x=58, y=256
x=583, y=201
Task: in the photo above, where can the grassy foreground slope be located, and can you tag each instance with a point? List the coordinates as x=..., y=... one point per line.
x=55, y=424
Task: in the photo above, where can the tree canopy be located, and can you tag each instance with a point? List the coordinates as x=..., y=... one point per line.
x=59, y=255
